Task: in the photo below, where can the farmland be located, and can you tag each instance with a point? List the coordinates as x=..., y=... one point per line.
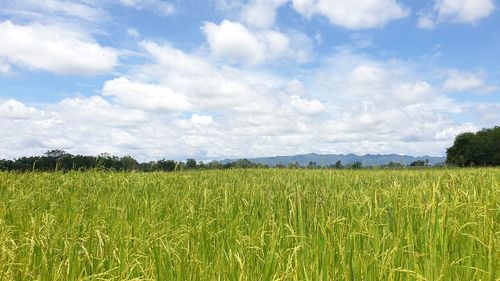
x=429, y=224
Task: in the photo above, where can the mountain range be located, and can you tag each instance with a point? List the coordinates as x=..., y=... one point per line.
x=331, y=159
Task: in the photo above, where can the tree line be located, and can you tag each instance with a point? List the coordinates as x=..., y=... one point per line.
x=60, y=160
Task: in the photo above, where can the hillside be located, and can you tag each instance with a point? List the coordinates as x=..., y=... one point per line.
x=330, y=159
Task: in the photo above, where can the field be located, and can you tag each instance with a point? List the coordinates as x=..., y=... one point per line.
x=433, y=224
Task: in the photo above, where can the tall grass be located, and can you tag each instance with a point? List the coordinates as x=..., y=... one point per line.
x=251, y=225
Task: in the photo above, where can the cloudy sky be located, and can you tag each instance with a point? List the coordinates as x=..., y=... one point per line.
x=234, y=78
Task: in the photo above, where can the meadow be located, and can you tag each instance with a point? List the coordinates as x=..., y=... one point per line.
x=429, y=224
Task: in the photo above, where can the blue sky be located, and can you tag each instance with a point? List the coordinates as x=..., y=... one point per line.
x=233, y=78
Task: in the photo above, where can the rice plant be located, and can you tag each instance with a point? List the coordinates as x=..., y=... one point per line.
x=433, y=224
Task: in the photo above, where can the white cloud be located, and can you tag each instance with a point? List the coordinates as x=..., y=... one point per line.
x=133, y=32
x=465, y=81
x=461, y=11
x=54, y=49
x=354, y=14
x=145, y=96
x=4, y=67
x=96, y=111
x=40, y=9
x=487, y=113
x=158, y=6
x=255, y=14
x=206, y=86
x=233, y=41
x=261, y=13
x=306, y=107
x=350, y=103
x=452, y=132
x=13, y=109
x=201, y=120
x=426, y=21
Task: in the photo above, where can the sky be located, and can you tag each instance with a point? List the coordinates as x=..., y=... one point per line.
x=223, y=79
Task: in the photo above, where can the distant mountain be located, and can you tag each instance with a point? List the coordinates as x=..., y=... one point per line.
x=331, y=159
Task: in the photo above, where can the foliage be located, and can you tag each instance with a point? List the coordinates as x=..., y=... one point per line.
x=476, y=149
x=420, y=163
x=393, y=165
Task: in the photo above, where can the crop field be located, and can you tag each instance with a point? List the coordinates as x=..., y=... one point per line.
x=432, y=224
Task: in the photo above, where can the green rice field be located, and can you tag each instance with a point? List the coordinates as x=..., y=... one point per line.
x=429, y=224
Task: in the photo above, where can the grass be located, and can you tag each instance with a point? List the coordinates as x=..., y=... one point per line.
x=251, y=225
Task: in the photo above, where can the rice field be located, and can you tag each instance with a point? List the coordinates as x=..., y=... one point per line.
x=433, y=224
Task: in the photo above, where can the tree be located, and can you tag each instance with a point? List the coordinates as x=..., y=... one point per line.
x=214, y=165
x=165, y=165
x=312, y=164
x=357, y=165
x=244, y=163
x=191, y=163
x=418, y=163
x=338, y=165
x=393, y=165
x=56, y=154
x=475, y=149
x=128, y=163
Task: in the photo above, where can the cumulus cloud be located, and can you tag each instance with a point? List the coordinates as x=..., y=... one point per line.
x=350, y=103
x=381, y=106
x=385, y=86
x=208, y=87
x=306, y=107
x=51, y=48
x=145, y=96
x=13, y=109
x=261, y=13
x=201, y=120
x=460, y=11
x=458, y=81
x=176, y=104
x=236, y=43
x=357, y=14
x=96, y=111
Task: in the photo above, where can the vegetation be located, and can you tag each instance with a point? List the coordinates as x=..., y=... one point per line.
x=59, y=160
x=476, y=149
x=251, y=225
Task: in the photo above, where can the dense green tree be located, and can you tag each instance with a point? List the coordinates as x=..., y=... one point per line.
x=312, y=164
x=214, y=165
x=244, y=163
x=357, y=165
x=419, y=163
x=191, y=163
x=166, y=165
x=128, y=163
x=476, y=149
x=393, y=165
